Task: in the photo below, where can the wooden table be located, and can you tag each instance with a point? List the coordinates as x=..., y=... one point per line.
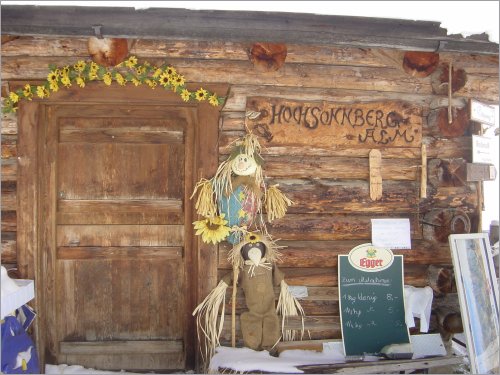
x=382, y=366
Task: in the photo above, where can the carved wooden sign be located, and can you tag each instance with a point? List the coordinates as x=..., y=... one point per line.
x=323, y=124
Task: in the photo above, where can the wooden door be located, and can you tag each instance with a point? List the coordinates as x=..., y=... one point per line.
x=115, y=252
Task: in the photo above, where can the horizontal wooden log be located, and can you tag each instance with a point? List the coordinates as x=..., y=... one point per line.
x=227, y=139
x=320, y=301
x=463, y=197
x=9, y=248
x=9, y=170
x=319, y=327
x=303, y=75
x=414, y=274
x=225, y=50
x=126, y=252
x=9, y=221
x=8, y=197
x=340, y=226
x=344, y=168
x=327, y=196
x=318, y=254
x=9, y=123
x=9, y=151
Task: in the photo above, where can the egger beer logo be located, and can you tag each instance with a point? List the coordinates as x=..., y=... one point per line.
x=369, y=258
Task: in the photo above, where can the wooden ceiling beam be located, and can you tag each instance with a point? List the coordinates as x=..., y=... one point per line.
x=239, y=26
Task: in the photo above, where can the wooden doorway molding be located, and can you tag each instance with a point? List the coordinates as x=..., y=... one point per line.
x=35, y=218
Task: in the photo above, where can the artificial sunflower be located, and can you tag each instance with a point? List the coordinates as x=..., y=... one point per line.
x=107, y=79
x=185, y=95
x=42, y=92
x=164, y=80
x=201, y=94
x=120, y=79
x=213, y=100
x=131, y=62
x=79, y=66
x=80, y=81
x=13, y=97
x=212, y=229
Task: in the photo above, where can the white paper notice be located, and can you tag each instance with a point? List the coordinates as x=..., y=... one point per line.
x=391, y=233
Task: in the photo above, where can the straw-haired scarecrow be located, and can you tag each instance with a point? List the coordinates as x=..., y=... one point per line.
x=231, y=200
x=253, y=260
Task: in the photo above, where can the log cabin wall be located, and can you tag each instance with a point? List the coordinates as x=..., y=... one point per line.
x=330, y=187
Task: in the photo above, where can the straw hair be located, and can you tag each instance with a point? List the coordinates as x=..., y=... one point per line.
x=273, y=254
x=206, y=320
x=205, y=204
x=287, y=306
x=276, y=203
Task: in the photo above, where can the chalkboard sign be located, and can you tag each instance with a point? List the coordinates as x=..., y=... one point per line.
x=371, y=300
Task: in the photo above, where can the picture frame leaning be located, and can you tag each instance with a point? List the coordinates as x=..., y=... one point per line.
x=477, y=287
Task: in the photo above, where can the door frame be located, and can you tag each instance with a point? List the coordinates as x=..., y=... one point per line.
x=35, y=169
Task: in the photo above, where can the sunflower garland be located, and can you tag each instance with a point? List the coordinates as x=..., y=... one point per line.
x=129, y=71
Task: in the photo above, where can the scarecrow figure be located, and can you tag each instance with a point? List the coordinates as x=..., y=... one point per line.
x=254, y=268
x=237, y=192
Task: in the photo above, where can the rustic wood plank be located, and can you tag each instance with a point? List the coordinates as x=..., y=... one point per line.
x=9, y=248
x=120, y=235
x=121, y=135
x=121, y=218
x=375, y=124
x=123, y=252
x=9, y=196
x=384, y=367
x=339, y=226
x=120, y=205
x=9, y=221
x=414, y=274
x=320, y=254
x=339, y=168
x=328, y=196
x=244, y=27
x=120, y=347
x=9, y=124
x=310, y=75
x=297, y=53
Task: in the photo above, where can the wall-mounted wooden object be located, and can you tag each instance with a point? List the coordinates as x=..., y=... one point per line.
x=459, y=125
x=268, y=57
x=440, y=223
x=375, y=175
x=420, y=64
x=423, y=173
x=108, y=51
x=440, y=79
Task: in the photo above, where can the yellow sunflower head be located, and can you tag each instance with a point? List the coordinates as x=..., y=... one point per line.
x=212, y=229
x=252, y=238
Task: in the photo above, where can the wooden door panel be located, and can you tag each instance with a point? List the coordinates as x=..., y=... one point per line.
x=120, y=235
x=120, y=171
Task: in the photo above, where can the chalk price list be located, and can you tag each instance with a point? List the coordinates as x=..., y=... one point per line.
x=358, y=306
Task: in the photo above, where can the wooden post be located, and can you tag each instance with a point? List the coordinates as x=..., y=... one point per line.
x=233, y=307
x=423, y=179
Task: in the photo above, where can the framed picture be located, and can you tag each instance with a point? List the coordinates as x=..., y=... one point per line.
x=478, y=296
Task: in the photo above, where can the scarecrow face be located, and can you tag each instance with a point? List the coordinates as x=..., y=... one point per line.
x=253, y=251
x=244, y=165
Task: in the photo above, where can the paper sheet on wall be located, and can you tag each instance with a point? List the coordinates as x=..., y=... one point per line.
x=391, y=233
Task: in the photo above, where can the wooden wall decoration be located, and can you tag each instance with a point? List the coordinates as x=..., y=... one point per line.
x=375, y=175
x=367, y=125
x=268, y=57
x=420, y=64
x=108, y=51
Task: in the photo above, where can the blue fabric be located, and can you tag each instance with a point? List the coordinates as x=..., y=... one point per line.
x=17, y=348
x=239, y=208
